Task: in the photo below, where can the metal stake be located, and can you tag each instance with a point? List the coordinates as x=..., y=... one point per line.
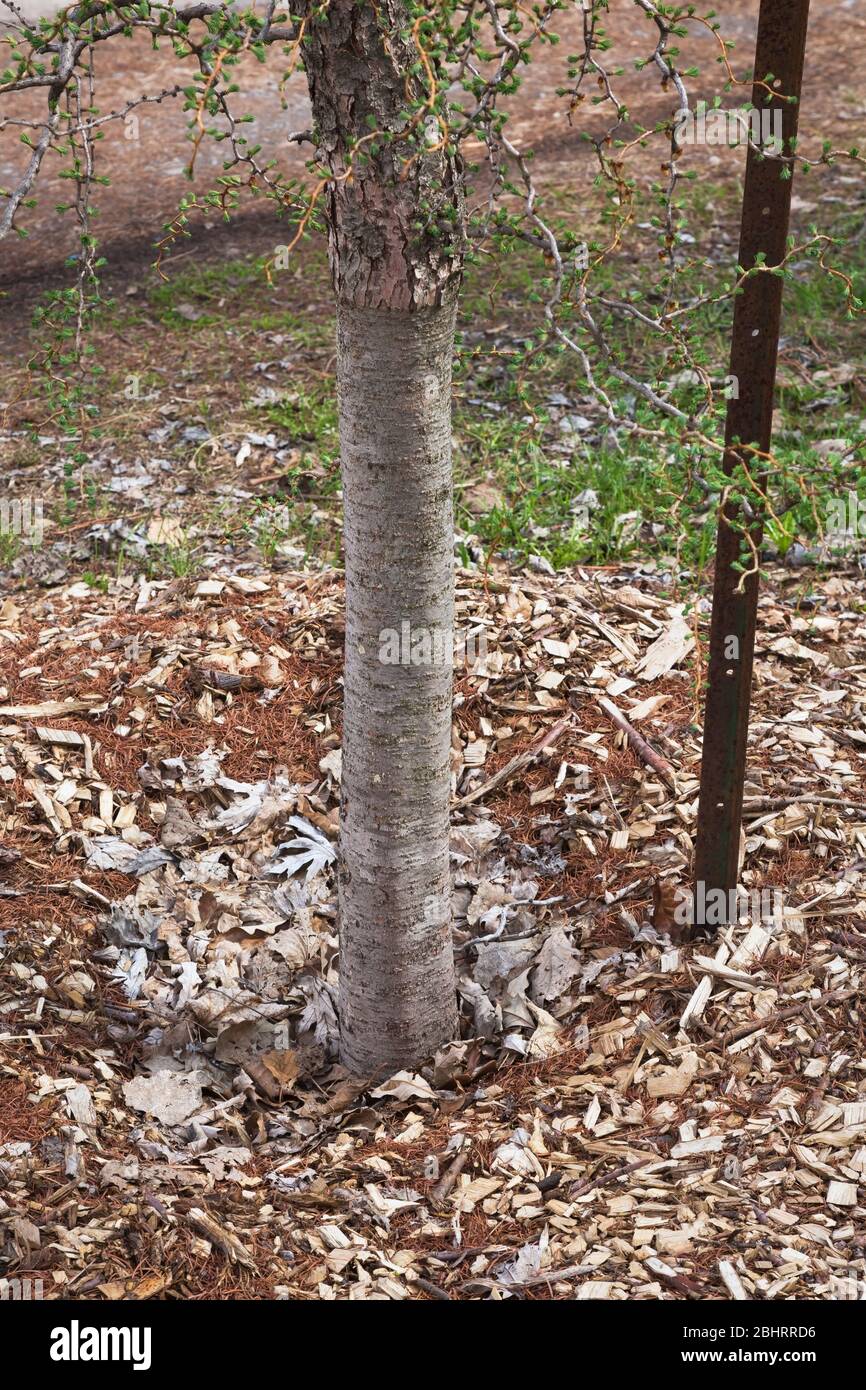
x=779, y=60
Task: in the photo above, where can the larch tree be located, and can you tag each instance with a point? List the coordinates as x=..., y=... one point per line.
x=398, y=89
x=395, y=228
x=389, y=189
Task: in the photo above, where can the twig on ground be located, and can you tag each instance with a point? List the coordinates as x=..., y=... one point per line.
x=519, y=761
x=647, y=754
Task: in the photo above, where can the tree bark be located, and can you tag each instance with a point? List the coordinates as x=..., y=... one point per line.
x=396, y=963
x=395, y=226
x=394, y=197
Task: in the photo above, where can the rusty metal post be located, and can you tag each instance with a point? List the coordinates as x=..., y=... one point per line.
x=779, y=57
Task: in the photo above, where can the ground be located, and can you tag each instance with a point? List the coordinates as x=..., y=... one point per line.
x=624, y=1118
x=147, y=161
x=625, y=1115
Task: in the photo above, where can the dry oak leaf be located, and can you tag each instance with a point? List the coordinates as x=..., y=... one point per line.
x=170, y=1096
x=670, y=909
x=283, y=1065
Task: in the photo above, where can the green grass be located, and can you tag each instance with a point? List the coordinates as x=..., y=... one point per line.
x=205, y=290
x=655, y=479
x=626, y=511
x=309, y=418
x=220, y=318
x=10, y=548
x=238, y=293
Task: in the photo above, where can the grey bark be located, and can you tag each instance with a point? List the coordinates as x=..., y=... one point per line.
x=395, y=223
x=397, y=991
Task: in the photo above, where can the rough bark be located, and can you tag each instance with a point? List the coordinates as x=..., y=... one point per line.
x=381, y=144
x=394, y=214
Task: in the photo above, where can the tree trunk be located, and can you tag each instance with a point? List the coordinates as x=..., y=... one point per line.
x=395, y=225
x=396, y=962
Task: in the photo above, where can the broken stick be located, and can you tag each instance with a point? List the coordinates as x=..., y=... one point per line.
x=639, y=743
x=518, y=761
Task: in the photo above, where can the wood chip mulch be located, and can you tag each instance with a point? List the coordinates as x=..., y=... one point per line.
x=625, y=1115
